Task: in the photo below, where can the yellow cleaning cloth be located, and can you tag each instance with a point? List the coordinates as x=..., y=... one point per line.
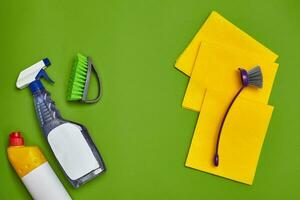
x=241, y=139
x=218, y=29
x=216, y=68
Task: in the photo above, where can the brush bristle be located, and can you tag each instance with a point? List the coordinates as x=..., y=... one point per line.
x=255, y=77
x=78, y=78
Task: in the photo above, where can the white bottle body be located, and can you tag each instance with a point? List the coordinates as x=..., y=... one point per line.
x=43, y=184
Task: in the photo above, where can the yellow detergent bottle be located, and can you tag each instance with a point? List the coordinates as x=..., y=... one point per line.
x=34, y=170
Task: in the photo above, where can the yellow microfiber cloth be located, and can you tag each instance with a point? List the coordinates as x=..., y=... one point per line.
x=242, y=136
x=218, y=29
x=216, y=68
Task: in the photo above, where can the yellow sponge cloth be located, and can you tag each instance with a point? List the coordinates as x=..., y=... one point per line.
x=218, y=29
x=242, y=137
x=216, y=68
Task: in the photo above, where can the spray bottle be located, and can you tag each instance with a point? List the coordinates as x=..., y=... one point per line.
x=34, y=170
x=69, y=141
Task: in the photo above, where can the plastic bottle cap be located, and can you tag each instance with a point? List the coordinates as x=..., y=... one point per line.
x=16, y=139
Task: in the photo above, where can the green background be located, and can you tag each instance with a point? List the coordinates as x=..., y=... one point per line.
x=139, y=126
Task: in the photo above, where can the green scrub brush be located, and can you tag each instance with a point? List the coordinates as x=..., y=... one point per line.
x=80, y=80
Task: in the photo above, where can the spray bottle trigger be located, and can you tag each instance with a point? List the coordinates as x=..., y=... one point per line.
x=43, y=74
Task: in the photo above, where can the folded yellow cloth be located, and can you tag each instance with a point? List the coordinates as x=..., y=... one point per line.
x=216, y=68
x=218, y=29
x=241, y=139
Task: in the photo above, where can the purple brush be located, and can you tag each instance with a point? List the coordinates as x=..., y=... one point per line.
x=252, y=77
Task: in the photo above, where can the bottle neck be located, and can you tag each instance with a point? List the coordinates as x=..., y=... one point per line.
x=36, y=87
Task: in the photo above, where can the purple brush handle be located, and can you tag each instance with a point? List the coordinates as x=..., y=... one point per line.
x=216, y=156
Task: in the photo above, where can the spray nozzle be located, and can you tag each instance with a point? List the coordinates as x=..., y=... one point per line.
x=33, y=73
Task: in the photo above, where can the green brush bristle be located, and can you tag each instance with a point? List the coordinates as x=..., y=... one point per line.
x=78, y=78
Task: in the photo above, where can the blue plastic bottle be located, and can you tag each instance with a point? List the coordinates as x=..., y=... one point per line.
x=69, y=141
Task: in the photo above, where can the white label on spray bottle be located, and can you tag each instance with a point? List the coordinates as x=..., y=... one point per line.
x=43, y=184
x=72, y=151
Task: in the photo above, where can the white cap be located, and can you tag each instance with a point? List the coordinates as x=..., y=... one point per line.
x=29, y=74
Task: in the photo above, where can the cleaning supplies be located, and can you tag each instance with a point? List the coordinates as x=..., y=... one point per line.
x=80, y=80
x=252, y=78
x=211, y=60
x=34, y=170
x=69, y=141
